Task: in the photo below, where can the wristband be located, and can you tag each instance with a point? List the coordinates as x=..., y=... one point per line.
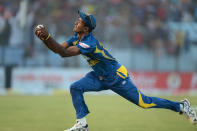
x=48, y=37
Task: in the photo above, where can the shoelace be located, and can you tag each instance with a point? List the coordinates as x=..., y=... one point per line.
x=191, y=112
x=186, y=107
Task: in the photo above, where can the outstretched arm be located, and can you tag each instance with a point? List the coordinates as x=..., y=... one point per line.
x=63, y=49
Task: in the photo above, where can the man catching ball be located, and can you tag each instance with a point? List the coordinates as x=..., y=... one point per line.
x=107, y=73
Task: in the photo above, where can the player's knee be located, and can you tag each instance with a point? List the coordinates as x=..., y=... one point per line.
x=74, y=87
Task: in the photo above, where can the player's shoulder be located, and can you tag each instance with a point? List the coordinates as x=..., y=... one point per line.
x=90, y=40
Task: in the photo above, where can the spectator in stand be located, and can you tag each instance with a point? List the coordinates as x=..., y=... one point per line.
x=121, y=20
x=5, y=28
x=179, y=41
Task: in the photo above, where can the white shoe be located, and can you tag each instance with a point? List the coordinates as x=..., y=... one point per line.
x=188, y=111
x=78, y=127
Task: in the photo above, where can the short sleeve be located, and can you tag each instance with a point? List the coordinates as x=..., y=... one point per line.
x=71, y=40
x=86, y=47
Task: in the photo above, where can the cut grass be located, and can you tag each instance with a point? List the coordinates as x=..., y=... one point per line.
x=108, y=113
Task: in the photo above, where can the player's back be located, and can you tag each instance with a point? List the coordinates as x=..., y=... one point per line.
x=104, y=62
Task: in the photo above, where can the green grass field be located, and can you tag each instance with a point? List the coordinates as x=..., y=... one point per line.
x=108, y=113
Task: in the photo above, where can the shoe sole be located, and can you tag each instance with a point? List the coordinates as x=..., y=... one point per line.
x=86, y=129
x=192, y=121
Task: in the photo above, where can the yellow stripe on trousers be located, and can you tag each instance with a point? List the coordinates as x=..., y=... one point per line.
x=142, y=104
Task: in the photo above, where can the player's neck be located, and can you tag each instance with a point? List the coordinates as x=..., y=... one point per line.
x=81, y=34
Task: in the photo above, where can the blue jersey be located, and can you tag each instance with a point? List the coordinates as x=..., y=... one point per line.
x=97, y=56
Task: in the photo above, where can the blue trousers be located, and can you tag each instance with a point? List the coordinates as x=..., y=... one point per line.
x=124, y=88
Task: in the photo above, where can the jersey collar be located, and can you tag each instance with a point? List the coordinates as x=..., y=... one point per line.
x=86, y=36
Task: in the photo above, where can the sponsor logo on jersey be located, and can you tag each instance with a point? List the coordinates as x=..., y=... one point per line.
x=83, y=45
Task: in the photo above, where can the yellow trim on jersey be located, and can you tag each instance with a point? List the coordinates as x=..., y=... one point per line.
x=122, y=72
x=101, y=45
x=142, y=104
x=75, y=42
x=102, y=52
x=93, y=62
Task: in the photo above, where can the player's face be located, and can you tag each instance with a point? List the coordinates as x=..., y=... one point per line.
x=79, y=26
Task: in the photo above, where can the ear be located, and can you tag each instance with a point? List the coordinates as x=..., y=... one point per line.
x=86, y=29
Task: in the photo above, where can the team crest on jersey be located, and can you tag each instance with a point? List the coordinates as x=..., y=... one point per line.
x=83, y=45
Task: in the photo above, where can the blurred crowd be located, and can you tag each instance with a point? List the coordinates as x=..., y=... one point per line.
x=121, y=23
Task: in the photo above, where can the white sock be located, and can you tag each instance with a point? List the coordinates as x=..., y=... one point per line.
x=181, y=107
x=82, y=121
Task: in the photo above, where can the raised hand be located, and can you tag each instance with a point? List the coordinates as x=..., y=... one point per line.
x=41, y=32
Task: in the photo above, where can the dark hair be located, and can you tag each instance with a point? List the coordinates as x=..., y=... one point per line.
x=89, y=29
